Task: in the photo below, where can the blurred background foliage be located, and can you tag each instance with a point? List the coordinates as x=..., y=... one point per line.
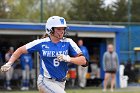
x=77, y=10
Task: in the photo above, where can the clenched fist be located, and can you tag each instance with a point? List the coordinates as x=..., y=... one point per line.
x=62, y=57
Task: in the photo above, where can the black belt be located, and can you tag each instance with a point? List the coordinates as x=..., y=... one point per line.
x=59, y=80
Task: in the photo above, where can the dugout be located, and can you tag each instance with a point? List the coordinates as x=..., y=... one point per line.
x=96, y=37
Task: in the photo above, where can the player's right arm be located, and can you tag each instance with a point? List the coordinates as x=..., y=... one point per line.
x=28, y=48
x=21, y=50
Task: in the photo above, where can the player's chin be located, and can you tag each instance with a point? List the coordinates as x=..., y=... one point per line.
x=61, y=36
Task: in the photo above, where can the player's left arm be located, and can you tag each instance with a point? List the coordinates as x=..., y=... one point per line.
x=75, y=52
x=79, y=60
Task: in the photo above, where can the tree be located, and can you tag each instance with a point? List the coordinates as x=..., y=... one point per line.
x=25, y=10
x=22, y=9
x=29, y=10
x=56, y=7
x=135, y=11
x=107, y=13
x=120, y=10
x=86, y=10
x=90, y=10
x=3, y=13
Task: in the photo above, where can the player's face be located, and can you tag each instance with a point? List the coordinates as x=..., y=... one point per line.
x=80, y=42
x=11, y=50
x=110, y=48
x=59, y=32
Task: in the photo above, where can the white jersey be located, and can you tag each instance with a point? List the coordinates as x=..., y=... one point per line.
x=50, y=67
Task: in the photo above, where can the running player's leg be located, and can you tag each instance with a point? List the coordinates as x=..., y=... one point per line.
x=49, y=86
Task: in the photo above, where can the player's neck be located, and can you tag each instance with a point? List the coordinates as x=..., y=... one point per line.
x=54, y=39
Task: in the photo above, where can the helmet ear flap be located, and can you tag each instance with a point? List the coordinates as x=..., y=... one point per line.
x=52, y=30
x=48, y=31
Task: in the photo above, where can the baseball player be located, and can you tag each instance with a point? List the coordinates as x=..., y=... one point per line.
x=26, y=64
x=9, y=73
x=82, y=71
x=55, y=52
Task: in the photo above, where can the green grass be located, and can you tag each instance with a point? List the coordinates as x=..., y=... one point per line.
x=87, y=90
x=94, y=90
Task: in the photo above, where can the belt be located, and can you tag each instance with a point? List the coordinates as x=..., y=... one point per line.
x=59, y=80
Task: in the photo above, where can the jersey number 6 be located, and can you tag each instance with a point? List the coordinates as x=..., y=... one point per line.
x=56, y=62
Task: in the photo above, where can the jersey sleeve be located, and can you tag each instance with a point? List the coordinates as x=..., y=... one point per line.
x=33, y=46
x=74, y=50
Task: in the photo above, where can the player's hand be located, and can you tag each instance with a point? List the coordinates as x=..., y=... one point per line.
x=62, y=57
x=6, y=67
